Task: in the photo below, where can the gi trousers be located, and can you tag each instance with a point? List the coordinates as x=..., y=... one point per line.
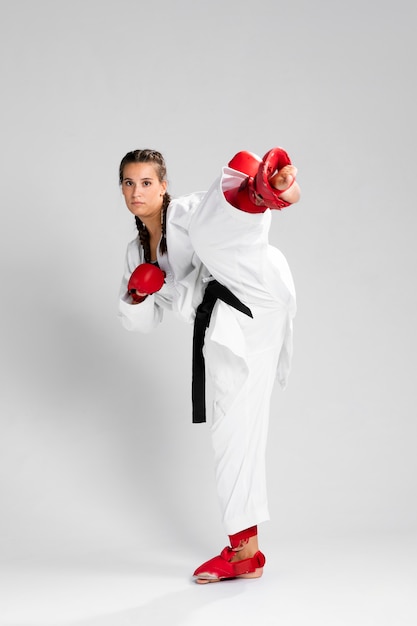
x=242, y=354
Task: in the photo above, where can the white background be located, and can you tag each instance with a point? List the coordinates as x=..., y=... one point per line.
x=100, y=465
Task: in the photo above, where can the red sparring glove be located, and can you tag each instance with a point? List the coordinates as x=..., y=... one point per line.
x=147, y=279
x=246, y=162
x=256, y=194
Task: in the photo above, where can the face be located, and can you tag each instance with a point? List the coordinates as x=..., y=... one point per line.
x=142, y=190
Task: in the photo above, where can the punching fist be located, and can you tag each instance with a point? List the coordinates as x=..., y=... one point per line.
x=267, y=179
x=145, y=280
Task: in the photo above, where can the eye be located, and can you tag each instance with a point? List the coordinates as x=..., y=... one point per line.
x=127, y=183
x=147, y=183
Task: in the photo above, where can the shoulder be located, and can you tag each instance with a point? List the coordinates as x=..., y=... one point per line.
x=187, y=202
x=181, y=209
x=132, y=245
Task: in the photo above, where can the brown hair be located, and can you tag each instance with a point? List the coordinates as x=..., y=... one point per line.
x=156, y=158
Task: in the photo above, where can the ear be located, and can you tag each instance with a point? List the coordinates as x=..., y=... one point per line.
x=164, y=187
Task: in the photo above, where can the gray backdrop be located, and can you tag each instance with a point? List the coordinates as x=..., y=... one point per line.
x=97, y=450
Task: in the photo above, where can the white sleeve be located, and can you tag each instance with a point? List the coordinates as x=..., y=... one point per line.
x=142, y=317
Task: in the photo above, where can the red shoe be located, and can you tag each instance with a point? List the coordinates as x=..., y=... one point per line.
x=222, y=568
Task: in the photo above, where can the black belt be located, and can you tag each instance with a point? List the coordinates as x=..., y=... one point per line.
x=214, y=291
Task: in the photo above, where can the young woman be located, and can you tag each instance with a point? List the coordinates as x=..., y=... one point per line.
x=207, y=258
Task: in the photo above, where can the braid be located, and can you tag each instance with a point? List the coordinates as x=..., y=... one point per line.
x=144, y=239
x=163, y=248
x=144, y=234
x=156, y=158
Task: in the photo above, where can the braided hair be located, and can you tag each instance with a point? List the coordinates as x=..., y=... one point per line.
x=156, y=158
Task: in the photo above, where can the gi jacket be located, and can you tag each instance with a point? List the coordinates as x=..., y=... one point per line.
x=187, y=278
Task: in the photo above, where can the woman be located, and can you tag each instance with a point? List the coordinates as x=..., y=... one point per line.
x=210, y=253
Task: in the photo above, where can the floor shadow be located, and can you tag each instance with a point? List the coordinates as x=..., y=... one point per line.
x=176, y=608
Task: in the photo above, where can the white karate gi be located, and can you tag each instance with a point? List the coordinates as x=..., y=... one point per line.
x=206, y=236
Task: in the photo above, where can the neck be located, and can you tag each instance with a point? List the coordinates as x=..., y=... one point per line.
x=153, y=226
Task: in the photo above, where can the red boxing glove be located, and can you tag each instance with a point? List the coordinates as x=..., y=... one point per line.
x=246, y=162
x=256, y=194
x=146, y=278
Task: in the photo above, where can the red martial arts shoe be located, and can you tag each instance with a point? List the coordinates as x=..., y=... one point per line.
x=223, y=568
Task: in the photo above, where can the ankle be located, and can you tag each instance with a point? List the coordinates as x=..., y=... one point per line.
x=249, y=547
x=244, y=543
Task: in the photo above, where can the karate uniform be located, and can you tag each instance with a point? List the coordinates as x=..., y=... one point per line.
x=208, y=239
